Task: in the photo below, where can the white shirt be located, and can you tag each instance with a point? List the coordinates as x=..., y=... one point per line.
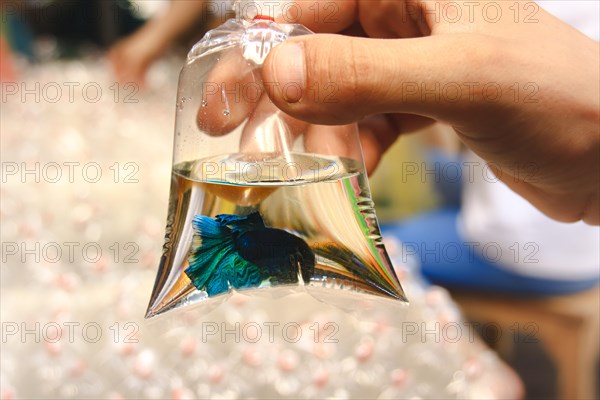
x=519, y=237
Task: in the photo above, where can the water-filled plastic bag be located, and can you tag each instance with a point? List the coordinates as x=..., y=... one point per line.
x=260, y=200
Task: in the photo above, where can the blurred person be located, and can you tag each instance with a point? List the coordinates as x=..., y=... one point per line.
x=132, y=56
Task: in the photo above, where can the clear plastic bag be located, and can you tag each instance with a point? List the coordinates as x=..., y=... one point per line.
x=260, y=201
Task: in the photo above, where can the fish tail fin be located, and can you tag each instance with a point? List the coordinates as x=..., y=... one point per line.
x=233, y=272
x=211, y=244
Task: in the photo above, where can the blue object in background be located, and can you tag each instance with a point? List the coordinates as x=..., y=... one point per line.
x=448, y=260
x=19, y=35
x=71, y=23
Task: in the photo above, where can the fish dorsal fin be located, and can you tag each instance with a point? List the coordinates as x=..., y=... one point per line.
x=240, y=225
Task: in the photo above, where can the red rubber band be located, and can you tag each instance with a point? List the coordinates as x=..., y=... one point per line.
x=266, y=17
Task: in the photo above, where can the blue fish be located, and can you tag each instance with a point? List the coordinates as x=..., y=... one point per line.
x=241, y=252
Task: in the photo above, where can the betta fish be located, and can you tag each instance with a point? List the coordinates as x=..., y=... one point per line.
x=241, y=252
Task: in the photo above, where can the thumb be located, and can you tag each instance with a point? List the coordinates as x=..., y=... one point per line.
x=334, y=79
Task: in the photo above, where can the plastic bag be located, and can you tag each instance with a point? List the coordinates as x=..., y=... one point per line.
x=262, y=202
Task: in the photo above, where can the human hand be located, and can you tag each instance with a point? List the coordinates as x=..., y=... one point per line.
x=518, y=86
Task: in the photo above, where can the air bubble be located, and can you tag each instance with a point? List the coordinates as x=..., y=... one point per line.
x=180, y=103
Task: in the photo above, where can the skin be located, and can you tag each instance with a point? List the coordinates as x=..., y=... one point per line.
x=391, y=50
x=132, y=56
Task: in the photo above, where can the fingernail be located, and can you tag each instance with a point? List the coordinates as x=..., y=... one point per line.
x=290, y=71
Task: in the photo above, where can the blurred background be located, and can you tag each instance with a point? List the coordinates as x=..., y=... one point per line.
x=86, y=121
